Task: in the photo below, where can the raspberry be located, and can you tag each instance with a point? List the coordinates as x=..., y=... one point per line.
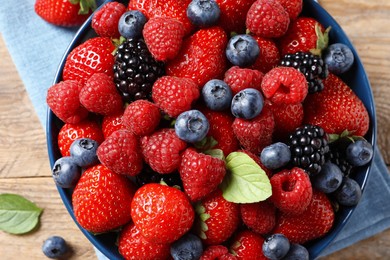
x=141, y=117
x=292, y=7
x=99, y=95
x=112, y=123
x=120, y=153
x=284, y=85
x=214, y=252
x=259, y=217
x=239, y=79
x=162, y=149
x=63, y=100
x=269, y=56
x=105, y=20
x=164, y=37
x=291, y=191
x=174, y=95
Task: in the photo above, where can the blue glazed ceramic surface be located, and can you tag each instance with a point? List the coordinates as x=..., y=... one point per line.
x=356, y=78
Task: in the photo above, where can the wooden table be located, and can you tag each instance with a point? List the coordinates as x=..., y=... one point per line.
x=25, y=170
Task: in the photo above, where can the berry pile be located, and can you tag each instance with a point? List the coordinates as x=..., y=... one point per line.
x=189, y=142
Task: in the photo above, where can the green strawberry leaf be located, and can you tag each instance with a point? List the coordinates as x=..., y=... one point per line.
x=206, y=143
x=322, y=40
x=201, y=226
x=17, y=214
x=245, y=181
x=216, y=153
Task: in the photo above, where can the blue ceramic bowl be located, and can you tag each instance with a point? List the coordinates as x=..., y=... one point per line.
x=356, y=78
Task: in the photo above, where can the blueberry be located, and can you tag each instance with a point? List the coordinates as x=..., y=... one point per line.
x=329, y=178
x=66, y=172
x=275, y=156
x=203, y=13
x=217, y=95
x=242, y=50
x=247, y=103
x=188, y=247
x=338, y=57
x=297, y=252
x=131, y=24
x=349, y=193
x=54, y=247
x=191, y=126
x=359, y=153
x=276, y=246
x=83, y=152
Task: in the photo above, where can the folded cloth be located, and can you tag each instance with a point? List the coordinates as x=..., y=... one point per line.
x=37, y=47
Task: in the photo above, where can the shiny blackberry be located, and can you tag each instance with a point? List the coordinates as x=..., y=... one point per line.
x=135, y=70
x=308, y=146
x=312, y=66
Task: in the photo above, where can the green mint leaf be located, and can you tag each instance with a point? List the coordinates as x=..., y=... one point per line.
x=17, y=214
x=245, y=181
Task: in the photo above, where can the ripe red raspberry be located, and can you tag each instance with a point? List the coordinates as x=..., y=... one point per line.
x=292, y=7
x=269, y=56
x=164, y=37
x=63, y=100
x=247, y=244
x=141, y=117
x=174, y=95
x=84, y=129
x=121, y=154
x=256, y=158
x=238, y=79
x=162, y=149
x=291, y=191
x=112, y=123
x=105, y=20
x=99, y=95
x=259, y=217
x=284, y=85
x=216, y=252
x=267, y=18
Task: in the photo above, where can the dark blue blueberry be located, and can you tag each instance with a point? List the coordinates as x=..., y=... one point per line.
x=54, y=247
x=338, y=57
x=188, y=247
x=83, y=152
x=247, y=103
x=203, y=13
x=242, y=50
x=349, y=193
x=217, y=95
x=275, y=156
x=359, y=153
x=276, y=246
x=131, y=24
x=191, y=126
x=297, y=252
x=66, y=172
x=329, y=178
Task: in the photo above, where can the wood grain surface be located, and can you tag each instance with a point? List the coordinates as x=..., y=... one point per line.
x=24, y=165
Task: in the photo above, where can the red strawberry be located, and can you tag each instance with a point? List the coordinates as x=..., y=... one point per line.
x=269, y=56
x=64, y=12
x=84, y=129
x=105, y=20
x=217, y=218
x=240, y=78
x=293, y=7
x=233, y=14
x=313, y=223
x=132, y=245
x=99, y=95
x=120, y=153
x=92, y=56
x=216, y=252
x=202, y=56
x=164, y=37
x=63, y=100
x=174, y=95
x=267, y=18
x=259, y=217
x=162, y=213
x=101, y=199
x=201, y=173
x=248, y=245
x=141, y=117
x=112, y=123
x=337, y=108
x=161, y=150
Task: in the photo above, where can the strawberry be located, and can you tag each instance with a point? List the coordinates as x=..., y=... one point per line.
x=66, y=13
x=248, y=245
x=164, y=37
x=101, y=199
x=240, y=78
x=337, y=108
x=201, y=173
x=162, y=213
x=292, y=7
x=233, y=14
x=259, y=217
x=112, y=123
x=105, y=20
x=202, y=56
x=92, y=56
x=214, y=252
x=141, y=117
x=269, y=56
x=314, y=222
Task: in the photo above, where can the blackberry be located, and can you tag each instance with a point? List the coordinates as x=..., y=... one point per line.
x=308, y=146
x=312, y=66
x=135, y=70
x=337, y=155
